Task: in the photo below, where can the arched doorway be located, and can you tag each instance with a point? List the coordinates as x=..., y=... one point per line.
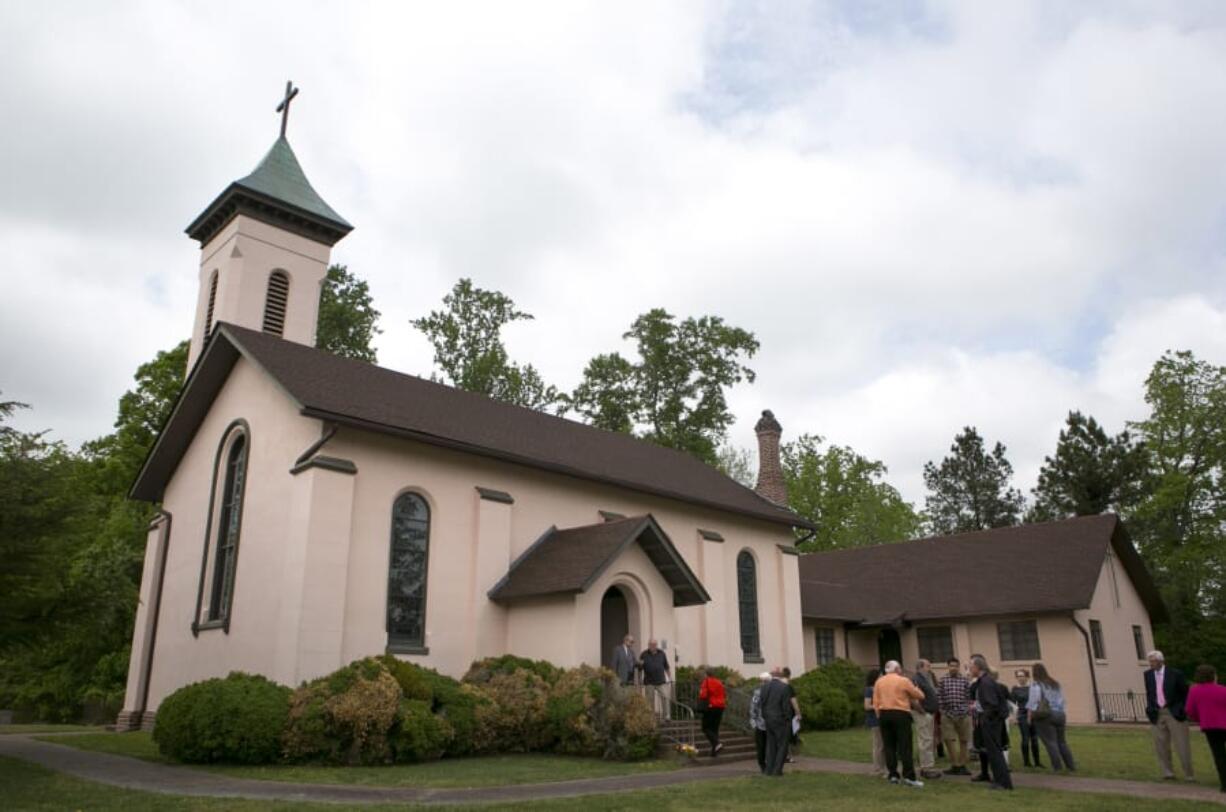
x=614, y=623
x=889, y=646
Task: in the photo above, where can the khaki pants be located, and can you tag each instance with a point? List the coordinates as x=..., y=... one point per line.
x=658, y=697
x=1167, y=731
x=956, y=733
x=878, y=752
x=923, y=739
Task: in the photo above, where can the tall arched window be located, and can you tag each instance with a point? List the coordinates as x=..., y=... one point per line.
x=275, y=302
x=208, y=313
x=220, y=557
x=747, y=600
x=406, y=577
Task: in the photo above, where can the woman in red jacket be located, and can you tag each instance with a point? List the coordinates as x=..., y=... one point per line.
x=711, y=701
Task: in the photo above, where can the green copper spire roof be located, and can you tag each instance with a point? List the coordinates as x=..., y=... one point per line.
x=280, y=177
x=276, y=192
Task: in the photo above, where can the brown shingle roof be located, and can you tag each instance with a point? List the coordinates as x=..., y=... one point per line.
x=571, y=560
x=369, y=397
x=1049, y=567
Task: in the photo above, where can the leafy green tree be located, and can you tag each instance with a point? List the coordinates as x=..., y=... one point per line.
x=845, y=494
x=1180, y=523
x=1091, y=472
x=736, y=463
x=675, y=393
x=467, y=339
x=348, y=321
x=70, y=645
x=970, y=489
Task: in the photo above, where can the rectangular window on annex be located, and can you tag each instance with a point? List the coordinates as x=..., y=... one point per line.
x=1096, y=640
x=1019, y=640
x=1138, y=639
x=936, y=643
x=825, y=645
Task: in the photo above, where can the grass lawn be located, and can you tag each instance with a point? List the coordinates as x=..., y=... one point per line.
x=482, y=771
x=50, y=729
x=28, y=787
x=1098, y=751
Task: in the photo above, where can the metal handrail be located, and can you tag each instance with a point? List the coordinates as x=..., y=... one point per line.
x=677, y=725
x=1128, y=706
x=736, y=714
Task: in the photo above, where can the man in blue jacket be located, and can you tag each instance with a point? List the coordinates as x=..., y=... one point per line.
x=1166, y=690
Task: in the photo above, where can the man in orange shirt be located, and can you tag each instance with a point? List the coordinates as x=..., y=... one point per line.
x=892, y=697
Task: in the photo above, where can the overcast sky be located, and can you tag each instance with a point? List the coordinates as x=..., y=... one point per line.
x=931, y=214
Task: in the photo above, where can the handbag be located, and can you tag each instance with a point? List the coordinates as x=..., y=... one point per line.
x=1044, y=710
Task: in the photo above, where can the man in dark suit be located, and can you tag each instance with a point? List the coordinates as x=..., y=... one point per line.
x=1166, y=690
x=993, y=710
x=625, y=661
x=777, y=714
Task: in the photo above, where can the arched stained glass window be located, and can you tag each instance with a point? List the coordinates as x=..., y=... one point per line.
x=747, y=599
x=225, y=554
x=406, y=577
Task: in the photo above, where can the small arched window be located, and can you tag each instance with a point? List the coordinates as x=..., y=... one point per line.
x=747, y=600
x=220, y=558
x=208, y=313
x=275, y=302
x=406, y=577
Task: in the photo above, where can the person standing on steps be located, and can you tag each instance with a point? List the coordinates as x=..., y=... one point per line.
x=1166, y=691
x=712, y=700
x=625, y=661
x=656, y=677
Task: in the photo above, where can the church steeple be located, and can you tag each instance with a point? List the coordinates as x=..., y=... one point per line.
x=265, y=245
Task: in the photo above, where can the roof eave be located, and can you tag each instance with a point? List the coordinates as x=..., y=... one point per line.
x=235, y=197
x=469, y=448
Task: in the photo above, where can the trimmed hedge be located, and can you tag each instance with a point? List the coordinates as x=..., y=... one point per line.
x=345, y=717
x=831, y=696
x=236, y=720
x=729, y=676
x=381, y=710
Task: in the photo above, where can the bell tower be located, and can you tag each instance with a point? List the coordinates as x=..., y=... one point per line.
x=265, y=243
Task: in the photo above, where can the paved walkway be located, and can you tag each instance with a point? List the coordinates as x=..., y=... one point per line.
x=131, y=773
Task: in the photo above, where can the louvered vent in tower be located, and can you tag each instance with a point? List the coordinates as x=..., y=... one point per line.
x=274, y=304
x=208, y=314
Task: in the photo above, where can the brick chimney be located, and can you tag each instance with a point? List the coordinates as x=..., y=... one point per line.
x=770, y=473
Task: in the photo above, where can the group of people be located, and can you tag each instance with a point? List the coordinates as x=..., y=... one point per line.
x=651, y=666
x=962, y=711
x=970, y=711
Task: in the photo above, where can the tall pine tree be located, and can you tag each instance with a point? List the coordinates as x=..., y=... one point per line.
x=1091, y=472
x=970, y=489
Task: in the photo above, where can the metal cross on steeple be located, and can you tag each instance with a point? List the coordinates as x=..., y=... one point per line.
x=283, y=107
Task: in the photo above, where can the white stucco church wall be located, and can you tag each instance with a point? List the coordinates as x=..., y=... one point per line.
x=273, y=548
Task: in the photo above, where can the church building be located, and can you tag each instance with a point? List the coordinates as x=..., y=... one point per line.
x=316, y=509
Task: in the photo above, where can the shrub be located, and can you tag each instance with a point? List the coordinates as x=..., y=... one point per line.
x=415, y=681
x=237, y=720
x=418, y=734
x=848, y=677
x=513, y=720
x=591, y=714
x=823, y=701
x=345, y=717
x=482, y=671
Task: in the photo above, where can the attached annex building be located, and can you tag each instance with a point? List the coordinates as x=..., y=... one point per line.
x=317, y=509
x=1073, y=594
